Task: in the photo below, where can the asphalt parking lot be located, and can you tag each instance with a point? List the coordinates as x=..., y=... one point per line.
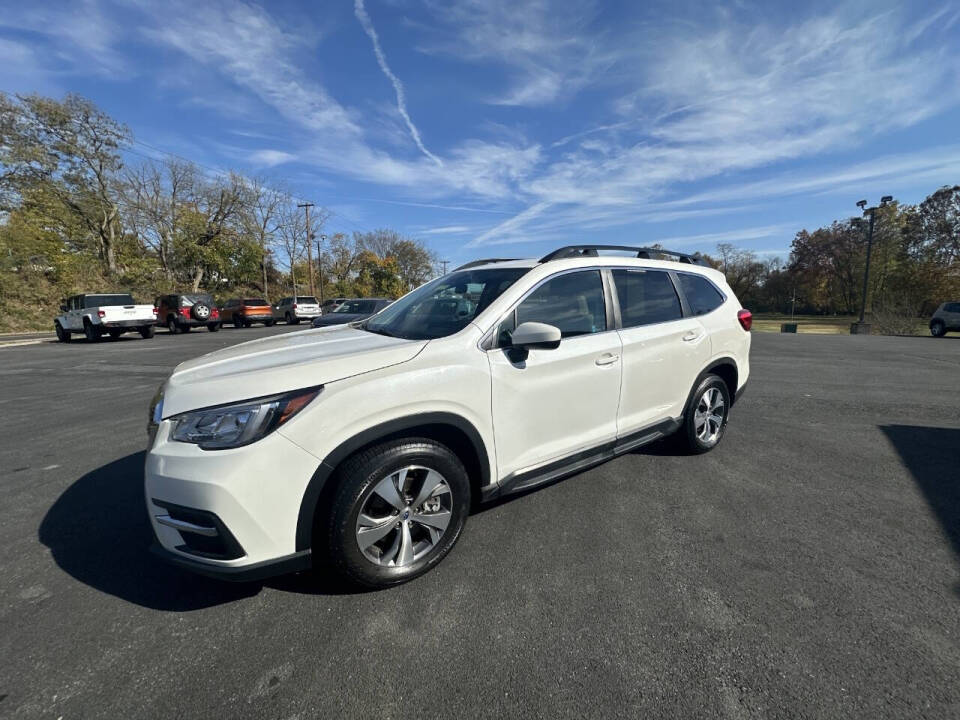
x=806, y=568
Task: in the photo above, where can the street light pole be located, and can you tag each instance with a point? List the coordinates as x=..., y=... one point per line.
x=322, y=238
x=306, y=209
x=861, y=326
x=866, y=272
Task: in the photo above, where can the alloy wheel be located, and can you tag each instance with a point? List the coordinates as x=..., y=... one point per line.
x=404, y=516
x=709, y=416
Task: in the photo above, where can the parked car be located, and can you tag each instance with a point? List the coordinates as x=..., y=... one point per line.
x=180, y=313
x=331, y=304
x=352, y=311
x=945, y=319
x=104, y=313
x=243, y=312
x=369, y=443
x=294, y=309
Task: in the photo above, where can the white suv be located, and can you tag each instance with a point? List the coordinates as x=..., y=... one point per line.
x=366, y=445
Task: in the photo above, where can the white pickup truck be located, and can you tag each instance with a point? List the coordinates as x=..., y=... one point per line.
x=104, y=314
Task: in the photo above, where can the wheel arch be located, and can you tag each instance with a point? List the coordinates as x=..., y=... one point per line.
x=452, y=430
x=726, y=369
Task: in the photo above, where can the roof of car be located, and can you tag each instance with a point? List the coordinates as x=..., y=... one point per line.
x=603, y=260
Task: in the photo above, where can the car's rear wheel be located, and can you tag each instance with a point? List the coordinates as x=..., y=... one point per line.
x=398, y=509
x=62, y=335
x=213, y=327
x=268, y=323
x=706, y=418
x=148, y=331
x=90, y=332
x=938, y=328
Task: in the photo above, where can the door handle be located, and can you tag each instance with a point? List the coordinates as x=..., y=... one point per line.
x=691, y=336
x=607, y=359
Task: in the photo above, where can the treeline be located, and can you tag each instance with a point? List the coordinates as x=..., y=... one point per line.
x=77, y=215
x=914, y=264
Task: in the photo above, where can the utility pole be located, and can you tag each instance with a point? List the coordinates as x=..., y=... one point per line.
x=306, y=209
x=444, y=263
x=322, y=238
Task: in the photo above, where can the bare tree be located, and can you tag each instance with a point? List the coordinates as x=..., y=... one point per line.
x=156, y=195
x=264, y=218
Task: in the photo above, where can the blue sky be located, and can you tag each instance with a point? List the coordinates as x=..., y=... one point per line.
x=507, y=127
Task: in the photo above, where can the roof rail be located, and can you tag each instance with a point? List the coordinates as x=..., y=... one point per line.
x=486, y=261
x=647, y=253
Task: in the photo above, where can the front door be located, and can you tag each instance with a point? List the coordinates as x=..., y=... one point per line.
x=557, y=402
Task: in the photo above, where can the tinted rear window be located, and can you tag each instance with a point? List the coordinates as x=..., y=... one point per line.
x=701, y=295
x=90, y=301
x=251, y=302
x=306, y=300
x=646, y=297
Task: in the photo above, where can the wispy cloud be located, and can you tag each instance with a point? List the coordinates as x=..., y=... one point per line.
x=367, y=24
x=447, y=230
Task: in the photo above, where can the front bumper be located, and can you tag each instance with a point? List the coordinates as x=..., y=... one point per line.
x=228, y=513
x=297, y=562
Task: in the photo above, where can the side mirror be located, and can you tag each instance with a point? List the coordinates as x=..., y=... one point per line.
x=530, y=335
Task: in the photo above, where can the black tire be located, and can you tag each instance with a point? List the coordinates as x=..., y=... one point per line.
x=289, y=318
x=172, y=326
x=185, y=328
x=357, y=477
x=247, y=323
x=213, y=327
x=688, y=434
x=268, y=323
x=237, y=321
x=114, y=333
x=148, y=331
x=91, y=333
x=938, y=328
x=62, y=335
x=200, y=311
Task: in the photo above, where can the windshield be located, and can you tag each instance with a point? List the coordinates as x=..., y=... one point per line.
x=92, y=301
x=445, y=305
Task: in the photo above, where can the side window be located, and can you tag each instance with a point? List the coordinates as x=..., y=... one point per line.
x=701, y=295
x=953, y=307
x=646, y=297
x=572, y=302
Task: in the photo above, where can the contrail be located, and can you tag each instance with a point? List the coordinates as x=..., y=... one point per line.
x=361, y=13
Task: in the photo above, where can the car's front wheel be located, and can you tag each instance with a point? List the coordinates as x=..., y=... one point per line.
x=62, y=335
x=938, y=328
x=147, y=331
x=398, y=509
x=91, y=333
x=706, y=417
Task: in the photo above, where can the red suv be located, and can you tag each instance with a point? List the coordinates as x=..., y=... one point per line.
x=180, y=313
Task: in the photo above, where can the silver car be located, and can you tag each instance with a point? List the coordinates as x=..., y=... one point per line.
x=294, y=309
x=945, y=319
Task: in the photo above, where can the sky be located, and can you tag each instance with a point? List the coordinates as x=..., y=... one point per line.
x=507, y=128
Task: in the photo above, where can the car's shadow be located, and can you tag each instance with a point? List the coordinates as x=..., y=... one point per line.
x=932, y=455
x=98, y=532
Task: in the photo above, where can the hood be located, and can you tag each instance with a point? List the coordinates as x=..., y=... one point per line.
x=281, y=363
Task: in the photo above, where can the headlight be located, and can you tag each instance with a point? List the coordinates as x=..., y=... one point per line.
x=230, y=426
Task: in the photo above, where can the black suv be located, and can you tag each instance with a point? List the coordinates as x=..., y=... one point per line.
x=182, y=312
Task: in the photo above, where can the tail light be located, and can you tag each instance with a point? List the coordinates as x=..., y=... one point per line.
x=294, y=306
x=100, y=313
x=154, y=311
x=214, y=313
x=746, y=319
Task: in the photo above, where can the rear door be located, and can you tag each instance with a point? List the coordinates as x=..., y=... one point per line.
x=556, y=402
x=663, y=349
x=953, y=316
